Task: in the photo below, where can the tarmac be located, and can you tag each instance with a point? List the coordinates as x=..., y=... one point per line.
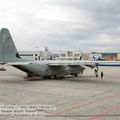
x=75, y=98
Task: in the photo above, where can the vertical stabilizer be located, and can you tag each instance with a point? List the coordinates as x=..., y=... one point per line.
x=8, y=51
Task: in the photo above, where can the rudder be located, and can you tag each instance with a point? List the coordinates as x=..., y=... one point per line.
x=8, y=51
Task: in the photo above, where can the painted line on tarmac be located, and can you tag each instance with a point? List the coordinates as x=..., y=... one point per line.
x=83, y=105
x=105, y=113
x=76, y=100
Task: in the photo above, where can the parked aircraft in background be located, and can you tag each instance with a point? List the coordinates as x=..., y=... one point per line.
x=47, y=68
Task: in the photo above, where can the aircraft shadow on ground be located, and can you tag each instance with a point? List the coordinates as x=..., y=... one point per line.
x=80, y=79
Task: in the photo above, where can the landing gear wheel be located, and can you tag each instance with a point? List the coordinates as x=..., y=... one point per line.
x=55, y=76
x=76, y=75
x=47, y=77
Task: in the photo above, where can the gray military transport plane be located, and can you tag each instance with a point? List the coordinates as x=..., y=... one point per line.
x=47, y=68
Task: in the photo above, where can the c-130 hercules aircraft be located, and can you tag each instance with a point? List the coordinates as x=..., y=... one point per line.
x=47, y=68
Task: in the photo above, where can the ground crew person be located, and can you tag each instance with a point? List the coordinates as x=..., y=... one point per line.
x=102, y=75
x=97, y=74
x=95, y=71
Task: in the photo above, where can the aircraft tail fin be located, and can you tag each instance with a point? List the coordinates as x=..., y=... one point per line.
x=8, y=51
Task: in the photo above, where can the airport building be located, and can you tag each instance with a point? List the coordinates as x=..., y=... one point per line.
x=95, y=56
x=109, y=56
x=70, y=55
x=105, y=56
x=67, y=55
x=118, y=56
x=36, y=55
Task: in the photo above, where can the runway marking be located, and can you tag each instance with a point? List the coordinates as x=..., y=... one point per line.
x=96, y=95
x=86, y=104
x=105, y=113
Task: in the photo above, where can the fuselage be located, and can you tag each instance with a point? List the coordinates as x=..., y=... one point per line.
x=42, y=68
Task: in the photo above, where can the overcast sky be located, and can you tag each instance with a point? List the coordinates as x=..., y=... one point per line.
x=85, y=25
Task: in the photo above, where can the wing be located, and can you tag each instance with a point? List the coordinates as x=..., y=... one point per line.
x=58, y=63
x=19, y=63
x=88, y=63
